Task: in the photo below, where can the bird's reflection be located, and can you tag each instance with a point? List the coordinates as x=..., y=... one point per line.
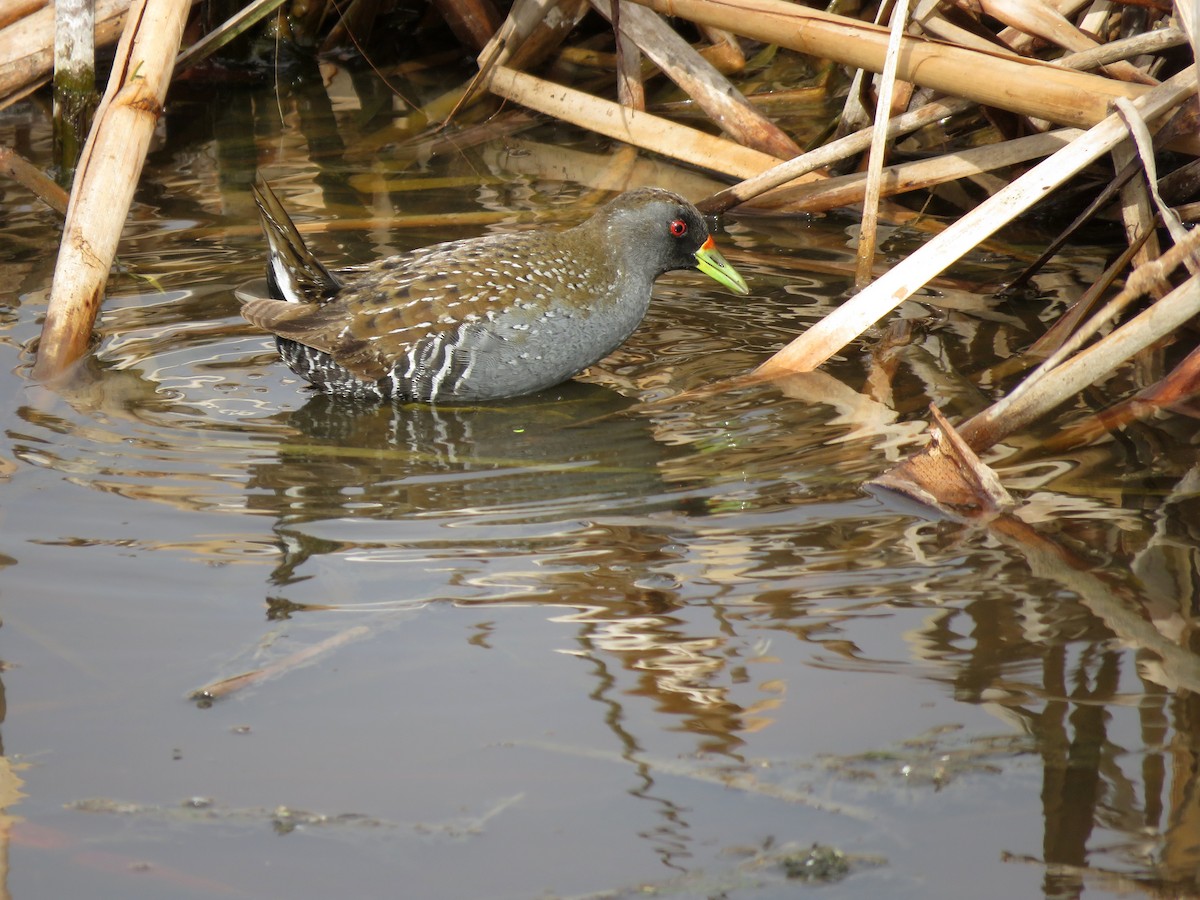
x=533, y=454
x=557, y=457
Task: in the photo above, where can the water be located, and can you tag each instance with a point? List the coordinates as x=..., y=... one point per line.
x=558, y=647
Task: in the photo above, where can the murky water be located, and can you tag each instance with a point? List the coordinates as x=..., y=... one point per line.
x=560, y=647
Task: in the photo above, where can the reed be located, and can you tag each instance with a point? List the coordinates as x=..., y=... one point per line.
x=1057, y=105
x=106, y=179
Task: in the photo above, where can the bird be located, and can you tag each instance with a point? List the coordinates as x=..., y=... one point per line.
x=477, y=319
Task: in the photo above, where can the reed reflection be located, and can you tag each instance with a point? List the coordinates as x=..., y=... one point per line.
x=1110, y=637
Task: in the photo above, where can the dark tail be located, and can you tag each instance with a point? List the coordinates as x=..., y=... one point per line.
x=293, y=273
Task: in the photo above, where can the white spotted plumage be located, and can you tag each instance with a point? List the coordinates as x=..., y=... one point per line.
x=484, y=318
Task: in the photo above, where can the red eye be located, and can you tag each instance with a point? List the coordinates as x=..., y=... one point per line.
x=678, y=228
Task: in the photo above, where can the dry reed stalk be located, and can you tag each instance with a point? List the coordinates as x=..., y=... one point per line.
x=19, y=9
x=846, y=190
x=1188, y=15
x=725, y=52
x=928, y=15
x=796, y=169
x=532, y=30
x=869, y=228
x=919, y=118
x=1096, y=18
x=30, y=176
x=1024, y=43
x=638, y=128
x=1136, y=215
x=106, y=179
x=27, y=46
x=1148, y=43
x=1024, y=86
x=1036, y=18
x=699, y=79
x=857, y=314
x=631, y=88
x=227, y=31
x=1144, y=143
x=472, y=21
